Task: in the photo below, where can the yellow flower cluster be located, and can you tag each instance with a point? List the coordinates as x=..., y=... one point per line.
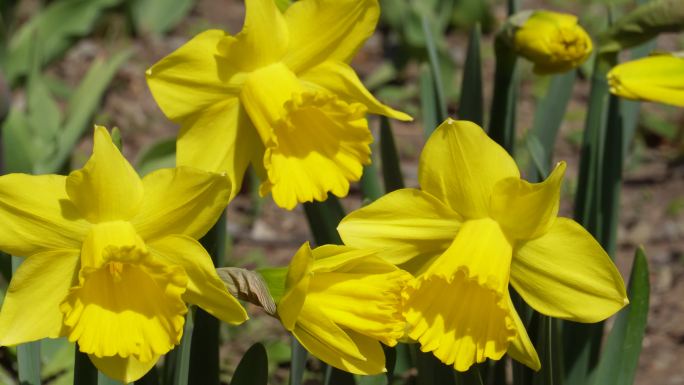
x=112, y=259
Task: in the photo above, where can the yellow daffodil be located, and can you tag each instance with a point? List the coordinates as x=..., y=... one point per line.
x=339, y=303
x=657, y=78
x=472, y=227
x=553, y=41
x=111, y=259
x=279, y=95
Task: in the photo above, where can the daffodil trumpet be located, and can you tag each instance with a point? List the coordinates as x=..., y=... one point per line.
x=473, y=228
x=279, y=95
x=111, y=259
x=341, y=303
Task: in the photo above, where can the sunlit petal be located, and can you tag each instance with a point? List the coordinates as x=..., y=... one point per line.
x=566, y=274
x=328, y=29
x=460, y=165
x=205, y=289
x=107, y=187
x=30, y=310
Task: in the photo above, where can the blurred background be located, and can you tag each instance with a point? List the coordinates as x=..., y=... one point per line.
x=69, y=64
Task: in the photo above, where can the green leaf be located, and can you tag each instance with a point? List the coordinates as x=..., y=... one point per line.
x=298, y=363
x=58, y=357
x=620, y=357
x=253, y=367
x=502, y=114
x=158, y=16
x=17, y=147
x=391, y=167
x=55, y=27
x=323, y=218
x=334, y=376
x=177, y=361
x=548, y=117
x=371, y=189
x=85, y=373
x=204, y=352
x=28, y=355
x=471, y=105
x=160, y=154
x=435, y=67
x=431, y=371
x=428, y=100
x=82, y=105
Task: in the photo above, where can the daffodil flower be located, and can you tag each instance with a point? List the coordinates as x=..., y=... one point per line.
x=111, y=260
x=657, y=78
x=279, y=95
x=340, y=303
x=474, y=227
x=553, y=41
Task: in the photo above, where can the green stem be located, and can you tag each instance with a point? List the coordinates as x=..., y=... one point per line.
x=28, y=355
x=204, y=351
x=503, y=110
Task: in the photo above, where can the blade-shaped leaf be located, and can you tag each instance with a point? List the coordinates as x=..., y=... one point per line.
x=54, y=26
x=158, y=16
x=253, y=367
x=620, y=357
x=471, y=105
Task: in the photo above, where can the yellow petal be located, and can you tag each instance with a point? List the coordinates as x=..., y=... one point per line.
x=566, y=274
x=296, y=286
x=460, y=165
x=369, y=304
x=521, y=348
x=130, y=306
x=107, y=187
x=410, y=221
x=30, y=310
x=328, y=29
x=656, y=78
x=126, y=370
x=37, y=215
x=205, y=289
x=263, y=39
x=220, y=139
x=192, y=78
x=372, y=361
x=181, y=200
x=476, y=324
x=326, y=331
x=340, y=79
x=527, y=210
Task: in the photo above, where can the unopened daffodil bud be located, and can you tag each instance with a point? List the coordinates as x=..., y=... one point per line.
x=657, y=78
x=553, y=41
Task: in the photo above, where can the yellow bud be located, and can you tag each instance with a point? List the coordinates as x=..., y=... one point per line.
x=553, y=41
x=657, y=78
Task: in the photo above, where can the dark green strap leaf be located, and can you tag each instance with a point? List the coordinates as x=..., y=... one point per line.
x=253, y=367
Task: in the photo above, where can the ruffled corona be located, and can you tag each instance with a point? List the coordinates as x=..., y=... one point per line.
x=475, y=322
x=315, y=143
x=128, y=306
x=339, y=302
